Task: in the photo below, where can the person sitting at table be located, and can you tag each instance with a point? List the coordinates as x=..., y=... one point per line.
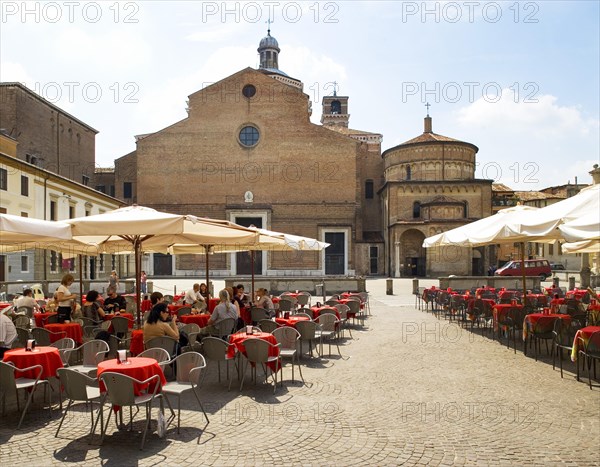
x=225, y=309
x=64, y=298
x=241, y=295
x=114, y=302
x=263, y=300
x=27, y=300
x=194, y=298
x=91, y=309
x=236, y=304
x=204, y=292
x=156, y=297
x=8, y=334
x=160, y=323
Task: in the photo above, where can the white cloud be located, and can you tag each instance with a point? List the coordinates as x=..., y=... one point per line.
x=14, y=72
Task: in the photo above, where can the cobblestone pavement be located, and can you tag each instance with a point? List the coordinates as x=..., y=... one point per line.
x=409, y=390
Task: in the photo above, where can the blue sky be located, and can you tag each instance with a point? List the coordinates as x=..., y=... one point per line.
x=520, y=80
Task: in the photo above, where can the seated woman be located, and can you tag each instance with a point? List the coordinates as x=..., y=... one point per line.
x=204, y=292
x=91, y=309
x=225, y=309
x=160, y=323
x=263, y=300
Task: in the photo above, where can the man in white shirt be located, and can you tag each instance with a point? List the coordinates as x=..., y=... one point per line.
x=8, y=334
x=194, y=298
x=27, y=300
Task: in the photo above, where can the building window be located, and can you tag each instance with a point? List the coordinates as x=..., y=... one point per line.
x=127, y=191
x=24, y=264
x=101, y=264
x=72, y=212
x=24, y=214
x=551, y=249
x=416, y=210
x=408, y=172
x=369, y=189
x=53, y=261
x=249, y=136
x=85, y=180
x=53, y=210
x=466, y=209
x=3, y=211
x=111, y=190
x=249, y=91
x=24, y=185
x=336, y=107
x=101, y=188
x=373, y=255
x=3, y=179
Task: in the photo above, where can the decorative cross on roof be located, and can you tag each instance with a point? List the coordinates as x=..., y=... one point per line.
x=428, y=105
x=269, y=27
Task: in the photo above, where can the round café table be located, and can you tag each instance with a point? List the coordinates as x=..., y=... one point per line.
x=72, y=330
x=42, y=318
x=200, y=319
x=291, y=321
x=136, y=346
x=48, y=357
x=583, y=334
x=545, y=320
x=140, y=368
x=317, y=311
x=237, y=341
x=212, y=304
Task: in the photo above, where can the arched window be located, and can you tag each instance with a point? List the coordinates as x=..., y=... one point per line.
x=408, y=172
x=465, y=209
x=336, y=107
x=416, y=210
x=369, y=189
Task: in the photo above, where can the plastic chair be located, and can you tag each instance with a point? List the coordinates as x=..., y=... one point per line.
x=590, y=350
x=304, y=311
x=62, y=345
x=167, y=343
x=26, y=310
x=120, y=325
x=8, y=382
x=79, y=387
x=22, y=321
x=183, y=311
x=329, y=326
x=216, y=349
x=288, y=338
x=190, y=328
x=257, y=351
x=225, y=327
x=563, y=340
x=267, y=325
x=22, y=337
x=120, y=392
x=86, y=357
x=304, y=299
x=258, y=314
x=189, y=366
x=159, y=354
x=309, y=332
x=43, y=336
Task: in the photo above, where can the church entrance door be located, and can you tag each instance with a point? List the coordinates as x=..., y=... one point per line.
x=243, y=260
x=163, y=264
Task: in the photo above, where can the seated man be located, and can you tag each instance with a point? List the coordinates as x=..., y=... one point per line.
x=194, y=298
x=27, y=300
x=8, y=334
x=114, y=302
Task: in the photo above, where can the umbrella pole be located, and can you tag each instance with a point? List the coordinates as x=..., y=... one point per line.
x=138, y=278
x=206, y=249
x=524, y=283
x=252, y=268
x=80, y=280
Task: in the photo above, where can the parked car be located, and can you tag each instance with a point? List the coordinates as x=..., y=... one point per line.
x=557, y=266
x=533, y=267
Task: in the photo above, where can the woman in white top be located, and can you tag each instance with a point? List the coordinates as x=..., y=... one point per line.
x=65, y=298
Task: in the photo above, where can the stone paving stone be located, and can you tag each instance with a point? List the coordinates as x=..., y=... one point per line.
x=415, y=390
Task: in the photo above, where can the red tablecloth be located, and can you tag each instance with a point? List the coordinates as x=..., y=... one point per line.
x=48, y=357
x=212, y=303
x=238, y=339
x=317, y=311
x=140, y=368
x=200, y=320
x=481, y=290
x=471, y=302
x=291, y=321
x=136, y=346
x=72, y=330
x=541, y=300
x=344, y=301
x=500, y=310
x=546, y=321
x=594, y=314
x=577, y=294
x=145, y=306
x=41, y=318
x=4, y=305
x=129, y=316
x=175, y=308
x=275, y=300
x=585, y=334
x=246, y=315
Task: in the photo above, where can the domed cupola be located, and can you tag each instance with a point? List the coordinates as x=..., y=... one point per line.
x=269, y=52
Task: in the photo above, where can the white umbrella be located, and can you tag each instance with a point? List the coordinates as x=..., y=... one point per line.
x=546, y=222
x=584, y=228
x=16, y=230
x=585, y=246
x=267, y=240
x=136, y=228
